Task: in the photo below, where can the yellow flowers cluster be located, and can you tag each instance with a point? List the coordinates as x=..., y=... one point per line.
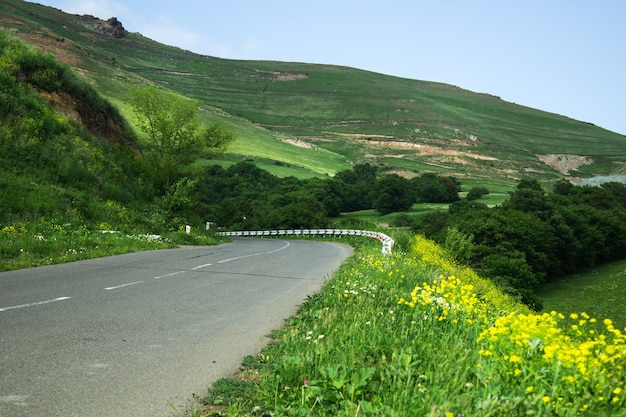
x=578, y=364
x=559, y=363
x=447, y=297
x=10, y=231
x=430, y=253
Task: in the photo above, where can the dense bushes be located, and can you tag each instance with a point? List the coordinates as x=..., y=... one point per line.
x=246, y=197
x=537, y=236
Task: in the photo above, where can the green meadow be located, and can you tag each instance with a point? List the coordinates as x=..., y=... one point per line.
x=599, y=291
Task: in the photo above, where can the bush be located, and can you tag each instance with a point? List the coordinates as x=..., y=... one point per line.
x=477, y=192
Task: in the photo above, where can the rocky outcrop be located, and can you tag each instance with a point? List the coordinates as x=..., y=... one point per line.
x=111, y=27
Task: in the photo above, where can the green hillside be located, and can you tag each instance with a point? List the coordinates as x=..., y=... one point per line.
x=320, y=119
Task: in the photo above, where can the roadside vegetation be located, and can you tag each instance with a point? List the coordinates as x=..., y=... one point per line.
x=534, y=236
x=75, y=187
x=416, y=333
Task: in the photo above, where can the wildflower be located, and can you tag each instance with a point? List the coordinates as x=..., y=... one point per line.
x=546, y=399
x=515, y=359
x=529, y=389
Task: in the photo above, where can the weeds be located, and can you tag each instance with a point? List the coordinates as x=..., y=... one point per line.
x=415, y=334
x=47, y=242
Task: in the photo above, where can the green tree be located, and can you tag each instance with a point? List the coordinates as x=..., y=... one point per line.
x=175, y=138
x=392, y=193
x=355, y=187
x=459, y=245
x=178, y=201
x=529, y=197
x=326, y=192
x=431, y=188
x=477, y=192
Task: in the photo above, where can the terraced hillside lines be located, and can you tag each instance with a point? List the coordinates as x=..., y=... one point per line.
x=343, y=113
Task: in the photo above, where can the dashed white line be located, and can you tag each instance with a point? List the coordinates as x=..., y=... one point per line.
x=123, y=285
x=170, y=274
x=195, y=268
x=34, y=304
x=254, y=254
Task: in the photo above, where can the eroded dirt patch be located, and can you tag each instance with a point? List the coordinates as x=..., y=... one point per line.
x=289, y=76
x=450, y=154
x=564, y=163
x=299, y=143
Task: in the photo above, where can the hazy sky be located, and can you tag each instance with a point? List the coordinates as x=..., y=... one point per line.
x=562, y=56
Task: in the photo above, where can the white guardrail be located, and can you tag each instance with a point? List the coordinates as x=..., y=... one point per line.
x=383, y=238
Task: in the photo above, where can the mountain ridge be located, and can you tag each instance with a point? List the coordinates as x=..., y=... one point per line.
x=336, y=115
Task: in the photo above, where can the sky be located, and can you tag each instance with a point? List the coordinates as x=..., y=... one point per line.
x=562, y=56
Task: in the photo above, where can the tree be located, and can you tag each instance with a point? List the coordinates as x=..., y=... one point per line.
x=459, y=245
x=392, y=193
x=529, y=197
x=355, y=187
x=431, y=188
x=477, y=192
x=175, y=139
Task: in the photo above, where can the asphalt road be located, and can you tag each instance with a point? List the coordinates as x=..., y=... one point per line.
x=132, y=335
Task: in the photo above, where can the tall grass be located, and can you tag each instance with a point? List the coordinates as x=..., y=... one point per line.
x=48, y=242
x=413, y=334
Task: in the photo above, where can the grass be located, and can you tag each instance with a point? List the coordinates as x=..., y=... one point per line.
x=407, y=334
x=416, y=334
x=46, y=242
x=414, y=214
x=266, y=101
x=599, y=291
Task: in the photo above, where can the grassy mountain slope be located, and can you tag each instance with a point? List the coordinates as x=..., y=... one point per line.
x=64, y=151
x=322, y=118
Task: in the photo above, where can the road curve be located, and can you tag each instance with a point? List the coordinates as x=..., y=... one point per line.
x=129, y=335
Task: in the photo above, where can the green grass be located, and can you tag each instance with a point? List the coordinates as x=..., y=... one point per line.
x=599, y=291
x=48, y=242
x=414, y=334
x=415, y=213
x=372, y=216
x=265, y=101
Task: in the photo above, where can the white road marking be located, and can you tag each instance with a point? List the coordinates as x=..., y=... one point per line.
x=254, y=254
x=279, y=249
x=19, y=400
x=195, y=268
x=123, y=285
x=34, y=304
x=170, y=274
